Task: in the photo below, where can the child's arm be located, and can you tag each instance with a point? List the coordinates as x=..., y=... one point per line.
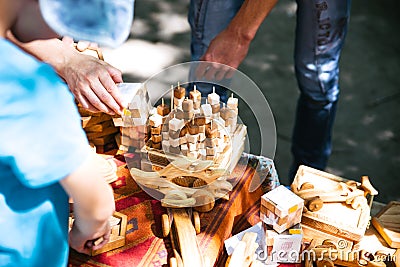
x=93, y=206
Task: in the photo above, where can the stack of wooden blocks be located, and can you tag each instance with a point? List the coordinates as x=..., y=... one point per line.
x=281, y=212
x=281, y=209
x=99, y=129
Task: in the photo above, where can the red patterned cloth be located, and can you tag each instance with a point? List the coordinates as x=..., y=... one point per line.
x=145, y=245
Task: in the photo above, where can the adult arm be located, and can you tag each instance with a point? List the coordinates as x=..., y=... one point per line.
x=231, y=46
x=92, y=81
x=93, y=206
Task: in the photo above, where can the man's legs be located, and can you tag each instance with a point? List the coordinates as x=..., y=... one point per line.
x=320, y=34
x=207, y=18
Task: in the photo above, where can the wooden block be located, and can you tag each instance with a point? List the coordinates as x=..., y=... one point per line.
x=284, y=201
x=85, y=113
x=101, y=141
x=179, y=92
x=93, y=120
x=163, y=109
x=115, y=230
x=102, y=149
x=387, y=223
x=107, y=131
x=98, y=128
x=85, y=121
x=156, y=130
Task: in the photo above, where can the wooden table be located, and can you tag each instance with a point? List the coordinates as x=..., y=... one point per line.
x=145, y=245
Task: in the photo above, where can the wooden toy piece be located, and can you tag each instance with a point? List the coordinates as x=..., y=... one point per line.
x=204, y=200
x=347, y=192
x=206, y=109
x=192, y=146
x=182, y=140
x=172, y=97
x=165, y=136
x=183, y=132
x=173, y=134
x=117, y=238
x=196, y=107
x=188, y=115
x=156, y=145
x=176, y=124
x=156, y=138
x=192, y=138
x=202, y=129
x=195, y=95
x=179, y=92
x=178, y=102
x=163, y=109
x=184, y=149
x=199, y=120
x=213, y=98
x=174, y=149
x=345, y=211
x=178, y=225
x=165, y=145
x=187, y=105
x=156, y=130
x=243, y=254
x=211, y=151
x=192, y=127
x=211, y=142
x=281, y=208
x=174, y=142
x=211, y=133
x=387, y=223
x=227, y=113
x=232, y=102
x=215, y=108
x=155, y=120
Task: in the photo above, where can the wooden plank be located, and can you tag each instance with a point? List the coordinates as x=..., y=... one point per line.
x=186, y=238
x=387, y=223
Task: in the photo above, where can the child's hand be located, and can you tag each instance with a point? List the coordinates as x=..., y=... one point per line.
x=84, y=244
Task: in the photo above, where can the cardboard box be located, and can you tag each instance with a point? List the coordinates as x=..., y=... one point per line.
x=284, y=247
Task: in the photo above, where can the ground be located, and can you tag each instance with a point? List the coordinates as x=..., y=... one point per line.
x=366, y=139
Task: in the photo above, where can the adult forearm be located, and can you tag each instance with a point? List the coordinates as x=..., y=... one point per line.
x=250, y=16
x=52, y=51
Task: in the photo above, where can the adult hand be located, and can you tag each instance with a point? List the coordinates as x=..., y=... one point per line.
x=226, y=48
x=92, y=81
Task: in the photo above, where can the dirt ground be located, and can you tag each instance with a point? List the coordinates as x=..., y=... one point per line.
x=366, y=138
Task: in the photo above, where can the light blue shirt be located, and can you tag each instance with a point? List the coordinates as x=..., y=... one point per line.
x=41, y=142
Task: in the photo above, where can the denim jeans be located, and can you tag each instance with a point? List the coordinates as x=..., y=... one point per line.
x=320, y=33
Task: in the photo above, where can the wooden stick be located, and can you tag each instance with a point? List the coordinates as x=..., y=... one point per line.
x=172, y=97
